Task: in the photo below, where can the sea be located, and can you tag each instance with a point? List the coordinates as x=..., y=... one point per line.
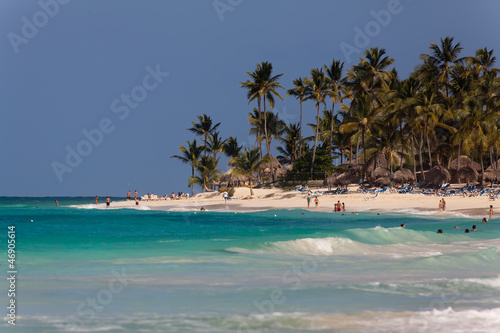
x=86, y=268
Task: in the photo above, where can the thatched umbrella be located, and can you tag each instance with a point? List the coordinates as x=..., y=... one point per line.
x=437, y=175
x=345, y=179
x=402, y=176
x=492, y=175
x=379, y=162
x=272, y=166
x=464, y=162
x=228, y=176
x=380, y=172
x=469, y=173
x=382, y=181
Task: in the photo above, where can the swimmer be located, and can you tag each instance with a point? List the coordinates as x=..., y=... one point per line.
x=484, y=219
x=440, y=231
x=466, y=231
x=456, y=227
x=474, y=228
x=202, y=209
x=402, y=225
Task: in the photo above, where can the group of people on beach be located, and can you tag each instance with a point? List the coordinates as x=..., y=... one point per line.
x=337, y=207
x=108, y=201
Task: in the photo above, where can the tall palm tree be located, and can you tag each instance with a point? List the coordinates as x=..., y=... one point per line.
x=203, y=128
x=360, y=117
x=231, y=148
x=299, y=91
x=290, y=138
x=317, y=90
x=443, y=57
x=263, y=88
x=190, y=155
x=207, y=169
x=248, y=163
x=215, y=144
x=335, y=81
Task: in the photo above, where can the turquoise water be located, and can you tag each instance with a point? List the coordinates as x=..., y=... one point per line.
x=82, y=269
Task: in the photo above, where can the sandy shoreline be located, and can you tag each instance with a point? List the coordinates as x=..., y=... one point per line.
x=265, y=199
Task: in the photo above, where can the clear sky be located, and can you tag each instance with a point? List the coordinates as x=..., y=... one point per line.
x=118, y=82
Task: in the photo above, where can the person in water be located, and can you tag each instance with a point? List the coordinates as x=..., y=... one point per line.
x=491, y=212
x=403, y=225
x=466, y=231
x=108, y=201
x=474, y=228
x=96, y=202
x=484, y=219
x=440, y=231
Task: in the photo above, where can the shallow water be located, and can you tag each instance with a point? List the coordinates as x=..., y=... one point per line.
x=124, y=270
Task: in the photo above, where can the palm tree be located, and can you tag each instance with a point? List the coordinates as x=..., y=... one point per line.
x=317, y=90
x=207, y=168
x=231, y=148
x=443, y=57
x=215, y=144
x=203, y=128
x=360, y=117
x=263, y=88
x=290, y=138
x=299, y=91
x=248, y=163
x=190, y=155
x=335, y=80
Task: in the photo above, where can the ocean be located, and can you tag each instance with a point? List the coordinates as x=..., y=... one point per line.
x=85, y=269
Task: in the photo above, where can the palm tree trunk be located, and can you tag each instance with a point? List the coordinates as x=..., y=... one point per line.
x=331, y=133
x=258, y=128
x=420, y=146
x=413, y=155
x=315, y=143
x=364, y=154
x=482, y=167
x=192, y=175
x=428, y=147
x=300, y=129
x=402, y=143
x=250, y=181
x=357, y=151
x=265, y=129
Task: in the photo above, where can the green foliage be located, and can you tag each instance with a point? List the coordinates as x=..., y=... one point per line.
x=230, y=192
x=302, y=167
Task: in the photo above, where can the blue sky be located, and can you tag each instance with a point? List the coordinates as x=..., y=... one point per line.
x=134, y=74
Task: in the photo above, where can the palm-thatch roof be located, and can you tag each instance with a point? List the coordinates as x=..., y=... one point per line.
x=464, y=162
x=382, y=181
x=437, y=175
x=402, y=176
x=469, y=173
x=378, y=162
x=272, y=164
x=342, y=179
x=230, y=176
x=492, y=175
x=380, y=172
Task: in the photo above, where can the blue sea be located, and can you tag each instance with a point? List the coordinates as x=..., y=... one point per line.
x=82, y=269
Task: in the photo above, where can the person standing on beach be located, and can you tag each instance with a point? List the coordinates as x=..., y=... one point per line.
x=308, y=200
x=224, y=195
x=316, y=202
x=491, y=212
x=108, y=201
x=96, y=202
x=444, y=204
x=440, y=205
x=57, y=203
x=343, y=207
x=128, y=195
x=136, y=202
x=135, y=194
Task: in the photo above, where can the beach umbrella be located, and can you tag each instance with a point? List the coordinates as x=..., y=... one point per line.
x=469, y=173
x=380, y=172
x=345, y=179
x=382, y=181
x=464, y=162
x=492, y=175
x=437, y=175
x=402, y=176
x=379, y=162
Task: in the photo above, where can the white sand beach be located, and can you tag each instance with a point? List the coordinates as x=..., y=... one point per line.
x=264, y=199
